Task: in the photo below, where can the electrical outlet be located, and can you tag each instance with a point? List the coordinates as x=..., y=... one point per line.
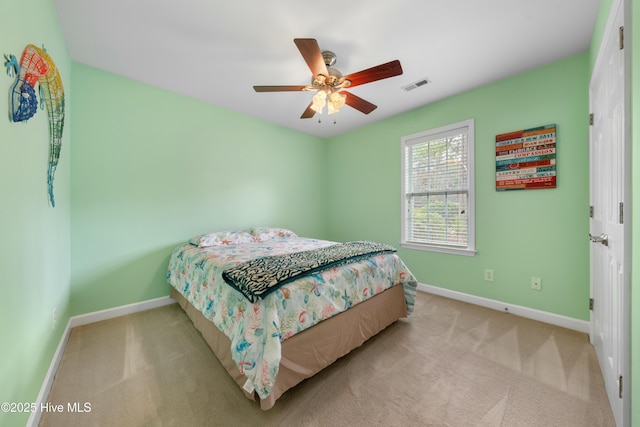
x=488, y=275
x=536, y=283
x=54, y=319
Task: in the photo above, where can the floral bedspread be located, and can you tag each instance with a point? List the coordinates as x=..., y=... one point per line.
x=256, y=330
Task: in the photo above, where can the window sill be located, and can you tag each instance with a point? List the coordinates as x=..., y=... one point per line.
x=441, y=249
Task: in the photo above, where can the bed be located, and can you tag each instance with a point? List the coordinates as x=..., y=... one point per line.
x=270, y=338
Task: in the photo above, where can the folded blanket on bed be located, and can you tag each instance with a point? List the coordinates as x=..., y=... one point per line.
x=259, y=277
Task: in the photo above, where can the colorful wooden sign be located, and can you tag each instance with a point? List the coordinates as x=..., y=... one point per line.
x=526, y=159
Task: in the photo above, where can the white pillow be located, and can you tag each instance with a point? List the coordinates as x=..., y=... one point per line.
x=271, y=233
x=220, y=238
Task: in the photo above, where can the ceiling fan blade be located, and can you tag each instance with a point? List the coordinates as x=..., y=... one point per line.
x=358, y=103
x=311, y=53
x=309, y=112
x=278, y=88
x=383, y=71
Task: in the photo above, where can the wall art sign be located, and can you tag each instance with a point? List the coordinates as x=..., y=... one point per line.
x=526, y=159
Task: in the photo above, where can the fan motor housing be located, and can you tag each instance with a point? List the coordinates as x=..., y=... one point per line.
x=329, y=57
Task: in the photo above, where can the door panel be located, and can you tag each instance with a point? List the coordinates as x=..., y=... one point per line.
x=607, y=192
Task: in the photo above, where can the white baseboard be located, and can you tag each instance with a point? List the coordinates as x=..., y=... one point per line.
x=110, y=313
x=85, y=319
x=34, y=418
x=530, y=313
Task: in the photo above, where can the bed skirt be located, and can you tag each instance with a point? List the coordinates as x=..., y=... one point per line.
x=308, y=352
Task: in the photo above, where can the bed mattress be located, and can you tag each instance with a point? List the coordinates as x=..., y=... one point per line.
x=257, y=331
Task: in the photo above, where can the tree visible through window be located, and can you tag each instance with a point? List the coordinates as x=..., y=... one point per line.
x=438, y=208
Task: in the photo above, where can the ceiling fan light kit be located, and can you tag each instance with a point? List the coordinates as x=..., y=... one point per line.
x=329, y=83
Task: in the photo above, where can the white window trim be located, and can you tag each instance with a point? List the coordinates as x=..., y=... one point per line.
x=470, y=250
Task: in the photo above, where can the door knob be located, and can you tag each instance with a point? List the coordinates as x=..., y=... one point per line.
x=603, y=238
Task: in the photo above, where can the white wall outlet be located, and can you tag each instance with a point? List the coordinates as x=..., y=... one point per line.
x=488, y=275
x=54, y=319
x=536, y=283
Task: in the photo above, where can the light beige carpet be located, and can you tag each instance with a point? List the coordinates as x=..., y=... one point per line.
x=448, y=364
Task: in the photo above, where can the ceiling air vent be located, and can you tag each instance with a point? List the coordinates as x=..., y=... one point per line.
x=415, y=85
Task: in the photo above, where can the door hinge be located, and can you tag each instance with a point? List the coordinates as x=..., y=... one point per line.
x=620, y=387
x=621, y=213
x=590, y=211
x=621, y=38
x=591, y=119
x=591, y=304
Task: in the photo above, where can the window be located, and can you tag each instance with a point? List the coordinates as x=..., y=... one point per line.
x=438, y=190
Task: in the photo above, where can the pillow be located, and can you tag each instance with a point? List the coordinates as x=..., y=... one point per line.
x=271, y=233
x=220, y=238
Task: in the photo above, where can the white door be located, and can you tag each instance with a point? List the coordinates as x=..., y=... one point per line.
x=608, y=169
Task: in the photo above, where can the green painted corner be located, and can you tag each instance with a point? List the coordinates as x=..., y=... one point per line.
x=166, y=168
x=519, y=234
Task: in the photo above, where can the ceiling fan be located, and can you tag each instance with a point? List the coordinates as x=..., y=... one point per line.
x=330, y=84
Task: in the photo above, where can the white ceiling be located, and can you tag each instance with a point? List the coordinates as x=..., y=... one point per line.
x=216, y=51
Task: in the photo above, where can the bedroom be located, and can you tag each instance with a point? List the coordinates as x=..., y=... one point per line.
x=134, y=157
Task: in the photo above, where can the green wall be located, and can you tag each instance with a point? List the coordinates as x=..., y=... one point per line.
x=152, y=169
x=635, y=186
x=519, y=234
x=35, y=245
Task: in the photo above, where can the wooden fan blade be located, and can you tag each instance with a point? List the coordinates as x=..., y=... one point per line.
x=358, y=103
x=383, y=71
x=278, y=88
x=309, y=112
x=311, y=53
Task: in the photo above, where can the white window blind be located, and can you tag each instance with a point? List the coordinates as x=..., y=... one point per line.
x=437, y=205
